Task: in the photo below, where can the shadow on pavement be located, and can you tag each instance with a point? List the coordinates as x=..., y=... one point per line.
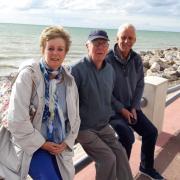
x=168, y=160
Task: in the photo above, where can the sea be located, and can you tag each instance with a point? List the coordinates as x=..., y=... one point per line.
x=20, y=42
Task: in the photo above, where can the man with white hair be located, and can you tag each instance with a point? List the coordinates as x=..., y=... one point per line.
x=127, y=93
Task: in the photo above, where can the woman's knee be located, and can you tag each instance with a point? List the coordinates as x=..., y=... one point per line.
x=43, y=166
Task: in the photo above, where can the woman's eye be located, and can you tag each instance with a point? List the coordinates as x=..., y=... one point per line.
x=50, y=49
x=60, y=49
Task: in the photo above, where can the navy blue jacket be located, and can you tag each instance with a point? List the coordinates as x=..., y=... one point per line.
x=129, y=83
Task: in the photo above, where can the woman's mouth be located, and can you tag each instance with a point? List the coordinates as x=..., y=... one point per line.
x=55, y=59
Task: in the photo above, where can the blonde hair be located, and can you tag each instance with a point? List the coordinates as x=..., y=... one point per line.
x=125, y=26
x=53, y=32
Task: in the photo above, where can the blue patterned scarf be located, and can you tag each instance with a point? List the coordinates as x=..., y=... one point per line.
x=53, y=125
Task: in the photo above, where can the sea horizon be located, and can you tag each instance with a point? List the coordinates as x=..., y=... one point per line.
x=20, y=42
x=105, y=28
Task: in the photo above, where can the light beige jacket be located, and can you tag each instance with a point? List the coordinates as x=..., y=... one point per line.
x=26, y=134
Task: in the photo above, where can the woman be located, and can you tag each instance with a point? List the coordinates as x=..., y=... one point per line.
x=45, y=144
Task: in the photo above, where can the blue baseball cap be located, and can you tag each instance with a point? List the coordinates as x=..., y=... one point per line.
x=98, y=34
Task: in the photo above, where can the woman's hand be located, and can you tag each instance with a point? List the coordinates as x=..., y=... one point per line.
x=51, y=147
x=54, y=148
x=62, y=147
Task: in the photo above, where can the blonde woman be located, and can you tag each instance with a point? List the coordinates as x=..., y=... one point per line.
x=45, y=144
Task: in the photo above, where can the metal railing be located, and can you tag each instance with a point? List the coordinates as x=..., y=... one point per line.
x=176, y=91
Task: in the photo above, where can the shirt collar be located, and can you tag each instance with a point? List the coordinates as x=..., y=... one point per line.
x=119, y=57
x=89, y=60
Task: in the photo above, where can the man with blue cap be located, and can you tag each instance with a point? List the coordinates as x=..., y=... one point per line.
x=95, y=81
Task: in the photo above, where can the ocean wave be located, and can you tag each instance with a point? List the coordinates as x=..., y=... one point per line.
x=8, y=66
x=17, y=56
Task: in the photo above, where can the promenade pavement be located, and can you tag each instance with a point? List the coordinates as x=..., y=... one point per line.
x=167, y=151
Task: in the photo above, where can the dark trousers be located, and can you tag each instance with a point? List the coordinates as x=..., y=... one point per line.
x=43, y=166
x=145, y=129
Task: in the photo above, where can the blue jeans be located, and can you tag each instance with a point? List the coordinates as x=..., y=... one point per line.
x=145, y=129
x=43, y=166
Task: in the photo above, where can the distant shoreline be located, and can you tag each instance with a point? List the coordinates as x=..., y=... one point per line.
x=114, y=28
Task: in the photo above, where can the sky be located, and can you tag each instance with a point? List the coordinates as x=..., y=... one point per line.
x=156, y=15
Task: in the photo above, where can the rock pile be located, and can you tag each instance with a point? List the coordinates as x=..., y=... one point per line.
x=162, y=63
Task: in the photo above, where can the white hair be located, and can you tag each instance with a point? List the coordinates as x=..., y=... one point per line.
x=125, y=26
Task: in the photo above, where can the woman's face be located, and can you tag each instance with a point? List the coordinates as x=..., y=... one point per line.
x=54, y=52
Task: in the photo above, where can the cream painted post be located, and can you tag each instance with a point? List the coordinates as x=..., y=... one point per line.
x=155, y=93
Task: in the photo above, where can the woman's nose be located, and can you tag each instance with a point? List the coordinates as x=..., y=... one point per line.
x=55, y=51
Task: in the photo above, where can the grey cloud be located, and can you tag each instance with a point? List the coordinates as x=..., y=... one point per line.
x=159, y=3
x=37, y=4
x=118, y=7
x=153, y=8
x=34, y=4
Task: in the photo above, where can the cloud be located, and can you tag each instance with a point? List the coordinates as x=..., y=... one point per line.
x=160, y=3
x=130, y=7
x=93, y=13
x=16, y=4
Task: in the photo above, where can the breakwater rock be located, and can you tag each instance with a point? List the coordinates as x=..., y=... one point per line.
x=163, y=63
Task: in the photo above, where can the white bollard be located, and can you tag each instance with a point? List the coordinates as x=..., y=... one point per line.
x=155, y=92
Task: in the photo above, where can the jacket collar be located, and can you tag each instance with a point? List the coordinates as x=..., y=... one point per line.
x=34, y=65
x=90, y=62
x=119, y=57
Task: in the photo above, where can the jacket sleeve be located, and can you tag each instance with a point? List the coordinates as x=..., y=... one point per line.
x=75, y=73
x=70, y=140
x=19, y=123
x=139, y=87
x=116, y=104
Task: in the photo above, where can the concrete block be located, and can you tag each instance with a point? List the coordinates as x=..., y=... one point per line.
x=155, y=92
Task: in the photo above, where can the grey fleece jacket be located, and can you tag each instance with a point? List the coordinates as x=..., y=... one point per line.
x=95, y=91
x=129, y=83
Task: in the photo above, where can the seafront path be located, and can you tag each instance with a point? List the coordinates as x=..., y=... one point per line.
x=167, y=152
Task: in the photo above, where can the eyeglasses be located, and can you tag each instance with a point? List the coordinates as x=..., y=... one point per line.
x=104, y=44
x=129, y=38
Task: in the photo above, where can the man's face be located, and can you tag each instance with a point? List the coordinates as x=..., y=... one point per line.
x=126, y=40
x=97, y=49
